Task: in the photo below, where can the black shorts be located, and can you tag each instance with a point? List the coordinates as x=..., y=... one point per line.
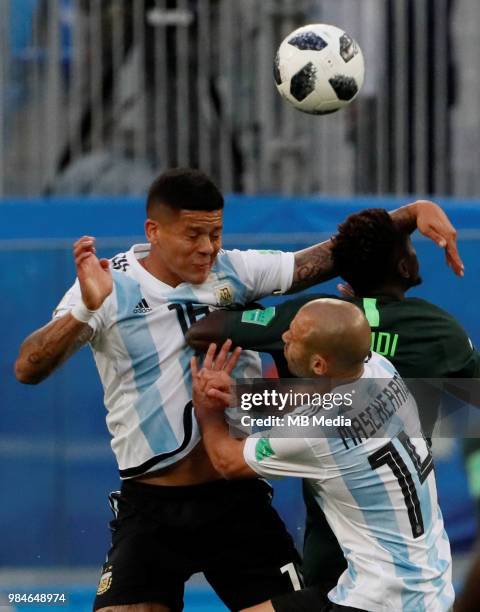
x=307, y=600
x=226, y=529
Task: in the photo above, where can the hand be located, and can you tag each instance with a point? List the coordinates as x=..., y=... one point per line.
x=211, y=388
x=94, y=274
x=434, y=223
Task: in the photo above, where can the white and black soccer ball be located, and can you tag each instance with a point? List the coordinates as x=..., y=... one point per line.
x=319, y=69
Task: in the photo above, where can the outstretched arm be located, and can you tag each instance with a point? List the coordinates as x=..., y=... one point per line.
x=211, y=396
x=314, y=265
x=50, y=346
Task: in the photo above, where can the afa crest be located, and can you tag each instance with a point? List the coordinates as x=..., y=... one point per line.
x=224, y=294
x=105, y=581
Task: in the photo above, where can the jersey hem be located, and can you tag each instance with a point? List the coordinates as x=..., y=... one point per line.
x=146, y=466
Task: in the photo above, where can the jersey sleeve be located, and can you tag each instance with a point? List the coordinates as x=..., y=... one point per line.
x=73, y=297
x=263, y=272
x=255, y=330
x=274, y=457
x=261, y=329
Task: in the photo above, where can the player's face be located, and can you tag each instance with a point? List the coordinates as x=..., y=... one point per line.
x=294, y=350
x=188, y=242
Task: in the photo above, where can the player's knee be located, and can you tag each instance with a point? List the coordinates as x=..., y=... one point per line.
x=141, y=607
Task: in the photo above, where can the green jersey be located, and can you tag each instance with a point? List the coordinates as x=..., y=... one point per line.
x=419, y=338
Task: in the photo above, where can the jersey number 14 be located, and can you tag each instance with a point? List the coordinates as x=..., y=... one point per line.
x=389, y=455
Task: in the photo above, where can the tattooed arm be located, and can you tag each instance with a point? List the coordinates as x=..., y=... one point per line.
x=49, y=347
x=314, y=264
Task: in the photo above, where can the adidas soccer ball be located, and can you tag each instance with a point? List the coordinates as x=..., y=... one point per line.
x=319, y=69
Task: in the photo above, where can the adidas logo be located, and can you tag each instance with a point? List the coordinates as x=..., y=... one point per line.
x=142, y=307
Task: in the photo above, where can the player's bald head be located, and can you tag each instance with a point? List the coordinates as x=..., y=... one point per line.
x=334, y=331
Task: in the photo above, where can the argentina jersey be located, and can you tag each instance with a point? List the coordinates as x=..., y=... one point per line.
x=373, y=477
x=141, y=355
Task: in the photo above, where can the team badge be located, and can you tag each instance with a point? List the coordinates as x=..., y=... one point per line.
x=224, y=294
x=105, y=581
x=259, y=317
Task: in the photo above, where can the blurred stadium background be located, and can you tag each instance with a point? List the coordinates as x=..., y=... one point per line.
x=98, y=96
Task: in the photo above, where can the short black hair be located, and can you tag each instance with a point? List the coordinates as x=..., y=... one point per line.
x=184, y=189
x=367, y=248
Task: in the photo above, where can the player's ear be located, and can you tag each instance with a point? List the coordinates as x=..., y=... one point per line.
x=318, y=364
x=152, y=231
x=403, y=267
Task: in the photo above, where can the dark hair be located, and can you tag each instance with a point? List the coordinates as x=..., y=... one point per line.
x=367, y=248
x=184, y=188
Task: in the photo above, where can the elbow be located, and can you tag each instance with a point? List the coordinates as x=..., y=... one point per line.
x=25, y=374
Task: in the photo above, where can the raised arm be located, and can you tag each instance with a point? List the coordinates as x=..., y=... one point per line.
x=51, y=345
x=314, y=264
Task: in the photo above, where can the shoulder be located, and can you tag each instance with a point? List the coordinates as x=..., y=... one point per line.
x=378, y=366
x=229, y=261
x=425, y=306
x=438, y=315
x=245, y=257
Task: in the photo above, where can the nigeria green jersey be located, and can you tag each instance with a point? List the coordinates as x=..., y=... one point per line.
x=419, y=338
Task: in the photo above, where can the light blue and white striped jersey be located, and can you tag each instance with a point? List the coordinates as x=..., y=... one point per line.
x=378, y=494
x=141, y=355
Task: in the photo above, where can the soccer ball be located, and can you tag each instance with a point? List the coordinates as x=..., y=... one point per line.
x=319, y=69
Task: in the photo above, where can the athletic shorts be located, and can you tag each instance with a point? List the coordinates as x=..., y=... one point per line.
x=307, y=600
x=226, y=529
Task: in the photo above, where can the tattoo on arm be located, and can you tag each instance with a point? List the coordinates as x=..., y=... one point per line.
x=49, y=347
x=313, y=265
x=46, y=345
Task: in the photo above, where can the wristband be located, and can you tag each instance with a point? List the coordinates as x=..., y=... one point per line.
x=82, y=313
